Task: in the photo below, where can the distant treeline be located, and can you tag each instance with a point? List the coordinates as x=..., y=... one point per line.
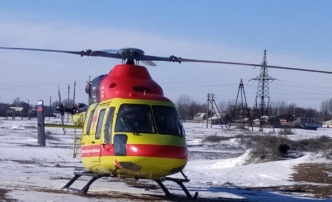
x=188, y=107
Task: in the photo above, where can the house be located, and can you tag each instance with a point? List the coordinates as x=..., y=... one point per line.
x=200, y=117
x=327, y=124
x=264, y=119
x=220, y=118
x=286, y=118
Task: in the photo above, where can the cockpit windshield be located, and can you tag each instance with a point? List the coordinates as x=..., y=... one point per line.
x=138, y=118
x=168, y=120
x=134, y=118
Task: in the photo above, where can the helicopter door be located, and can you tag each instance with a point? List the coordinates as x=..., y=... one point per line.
x=96, y=140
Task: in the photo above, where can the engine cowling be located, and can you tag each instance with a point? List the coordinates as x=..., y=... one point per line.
x=125, y=81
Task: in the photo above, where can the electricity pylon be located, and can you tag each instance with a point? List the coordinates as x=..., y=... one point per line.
x=240, y=115
x=262, y=95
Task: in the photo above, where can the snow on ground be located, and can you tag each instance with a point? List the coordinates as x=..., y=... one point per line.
x=32, y=173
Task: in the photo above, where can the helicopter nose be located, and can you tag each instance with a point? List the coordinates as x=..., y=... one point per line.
x=153, y=160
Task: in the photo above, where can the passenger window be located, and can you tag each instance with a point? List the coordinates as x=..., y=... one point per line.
x=99, y=124
x=88, y=125
x=108, y=126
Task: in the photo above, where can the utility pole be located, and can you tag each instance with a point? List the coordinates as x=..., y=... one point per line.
x=74, y=92
x=216, y=111
x=207, y=110
x=50, y=109
x=262, y=95
x=29, y=118
x=212, y=98
x=68, y=101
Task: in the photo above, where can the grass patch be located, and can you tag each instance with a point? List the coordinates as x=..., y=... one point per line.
x=286, y=131
x=215, y=138
x=49, y=136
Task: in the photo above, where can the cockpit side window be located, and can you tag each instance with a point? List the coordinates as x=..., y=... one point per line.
x=108, y=126
x=168, y=120
x=99, y=124
x=88, y=125
x=136, y=118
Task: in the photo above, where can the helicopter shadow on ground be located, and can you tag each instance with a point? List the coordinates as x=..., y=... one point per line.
x=241, y=194
x=223, y=193
x=177, y=193
x=159, y=197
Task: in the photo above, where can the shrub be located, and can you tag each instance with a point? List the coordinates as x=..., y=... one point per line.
x=212, y=138
x=321, y=143
x=267, y=148
x=215, y=138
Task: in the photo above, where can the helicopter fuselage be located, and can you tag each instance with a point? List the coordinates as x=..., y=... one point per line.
x=130, y=128
x=152, y=147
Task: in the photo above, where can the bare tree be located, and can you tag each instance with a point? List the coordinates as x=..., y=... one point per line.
x=188, y=108
x=17, y=102
x=325, y=109
x=278, y=107
x=329, y=105
x=291, y=108
x=68, y=102
x=183, y=106
x=222, y=106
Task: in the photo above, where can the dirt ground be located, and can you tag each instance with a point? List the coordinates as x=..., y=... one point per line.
x=313, y=179
x=319, y=178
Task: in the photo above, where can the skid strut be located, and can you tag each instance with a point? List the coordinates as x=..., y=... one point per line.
x=180, y=182
x=87, y=186
x=94, y=176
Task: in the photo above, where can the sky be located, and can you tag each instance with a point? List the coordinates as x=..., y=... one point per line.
x=39, y=174
x=294, y=33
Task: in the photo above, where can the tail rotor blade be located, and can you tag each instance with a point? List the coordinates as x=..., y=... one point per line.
x=62, y=111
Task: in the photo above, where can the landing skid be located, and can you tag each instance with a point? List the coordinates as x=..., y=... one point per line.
x=180, y=183
x=94, y=176
x=87, y=186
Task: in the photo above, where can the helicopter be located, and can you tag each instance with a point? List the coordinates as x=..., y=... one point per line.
x=130, y=129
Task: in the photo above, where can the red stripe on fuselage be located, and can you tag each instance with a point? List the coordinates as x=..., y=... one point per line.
x=94, y=118
x=143, y=150
x=162, y=151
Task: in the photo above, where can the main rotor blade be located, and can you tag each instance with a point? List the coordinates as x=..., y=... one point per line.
x=59, y=94
x=248, y=64
x=147, y=59
x=44, y=50
x=82, y=53
x=149, y=62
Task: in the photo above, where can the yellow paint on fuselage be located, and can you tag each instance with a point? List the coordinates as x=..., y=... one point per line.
x=78, y=119
x=151, y=167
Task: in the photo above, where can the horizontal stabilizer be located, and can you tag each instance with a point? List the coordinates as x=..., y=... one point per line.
x=63, y=126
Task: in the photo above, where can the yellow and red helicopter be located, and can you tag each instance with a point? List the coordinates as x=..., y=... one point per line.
x=130, y=129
